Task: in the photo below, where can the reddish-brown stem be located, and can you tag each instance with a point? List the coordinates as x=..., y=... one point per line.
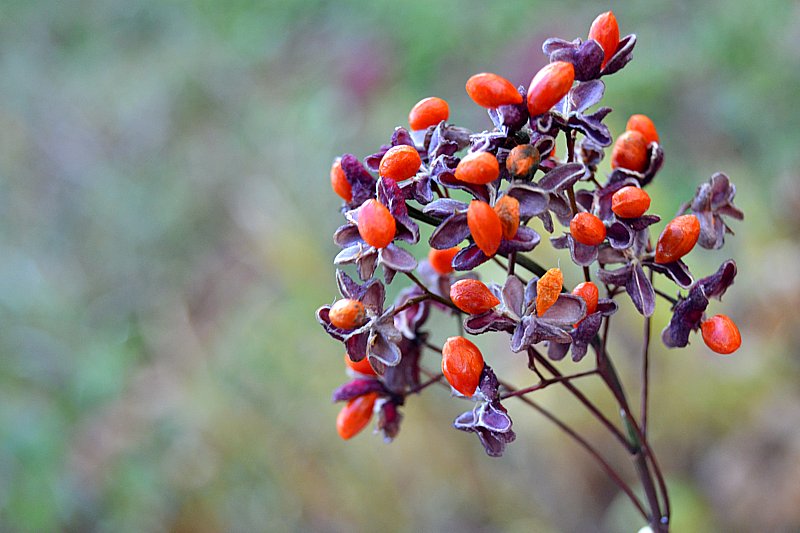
x=546, y=383
x=430, y=294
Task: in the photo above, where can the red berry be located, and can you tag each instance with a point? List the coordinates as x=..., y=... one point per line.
x=507, y=209
x=677, y=239
x=339, y=182
x=348, y=314
x=588, y=291
x=376, y=224
x=442, y=260
x=485, y=227
x=462, y=365
x=355, y=415
x=362, y=367
x=472, y=296
x=548, y=289
x=522, y=161
x=630, y=202
x=400, y=162
x=587, y=229
x=630, y=151
x=605, y=31
x=721, y=334
x=643, y=125
x=549, y=85
x=490, y=90
x=478, y=168
x=428, y=112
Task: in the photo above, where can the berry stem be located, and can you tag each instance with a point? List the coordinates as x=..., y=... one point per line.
x=547, y=382
x=664, y=295
x=431, y=295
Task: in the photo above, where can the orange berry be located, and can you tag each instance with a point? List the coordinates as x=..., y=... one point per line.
x=643, y=125
x=677, y=239
x=630, y=151
x=485, y=227
x=605, y=31
x=630, y=202
x=549, y=85
x=442, y=260
x=472, y=296
x=478, y=168
x=721, y=334
x=490, y=90
x=400, y=162
x=376, y=224
x=522, y=161
x=462, y=364
x=588, y=291
x=548, y=288
x=362, y=367
x=507, y=209
x=587, y=229
x=339, y=182
x=355, y=415
x=348, y=314
x=428, y=112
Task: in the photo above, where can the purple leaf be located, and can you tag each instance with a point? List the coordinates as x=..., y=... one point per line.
x=397, y=259
x=356, y=388
x=532, y=200
x=452, y=231
x=562, y=177
x=567, y=310
x=469, y=258
x=641, y=291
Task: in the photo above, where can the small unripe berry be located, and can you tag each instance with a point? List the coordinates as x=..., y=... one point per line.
x=362, y=367
x=400, y=162
x=507, y=209
x=643, y=125
x=630, y=202
x=589, y=293
x=548, y=288
x=490, y=90
x=587, y=229
x=522, y=161
x=485, y=227
x=442, y=260
x=549, y=85
x=677, y=239
x=428, y=112
x=376, y=224
x=355, y=415
x=478, y=168
x=630, y=151
x=339, y=182
x=605, y=31
x=472, y=296
x=348, y=314
x=721, y=334
x=462, y=364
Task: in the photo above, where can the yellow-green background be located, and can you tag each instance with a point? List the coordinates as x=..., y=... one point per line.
x=165, y=222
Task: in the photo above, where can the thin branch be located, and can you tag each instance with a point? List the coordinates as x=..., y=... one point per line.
x=546, y=383
x=664, y=295
x=425, y=384
x=645, y=370
x=430, y=294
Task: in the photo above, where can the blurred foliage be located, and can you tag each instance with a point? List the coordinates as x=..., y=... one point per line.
x=165, y=222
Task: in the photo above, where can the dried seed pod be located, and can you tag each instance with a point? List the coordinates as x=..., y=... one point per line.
x=590, y=294
x=548, y=288
x=339, y=182
x=507, y=209
x=605, y=31
x=478, y=168
x=442, y=260
x=428, y=112
x=355, y=415
x=462, y=365
x=643, y=125
x=490, y=90
x=677, y=239
x=522, y=161
x=362, y=367
x=472, y=296
x=630, y=202
x=348, y=314
x=376, y=225
x=721, y=334
x=630, y=151
x=549, y=85
x=485, y=227
x=400, y=162
x=587, y=229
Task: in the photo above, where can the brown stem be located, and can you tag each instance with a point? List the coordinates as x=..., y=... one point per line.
x=430, y=294
x=546, y=383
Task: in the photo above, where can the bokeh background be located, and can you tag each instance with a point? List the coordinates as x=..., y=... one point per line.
x=165, y=222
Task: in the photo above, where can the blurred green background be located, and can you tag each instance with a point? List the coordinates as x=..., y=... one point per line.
x=165, y=222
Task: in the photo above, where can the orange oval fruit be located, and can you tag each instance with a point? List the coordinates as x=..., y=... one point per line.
x=548, y=288
x=522, y=161
x=355, y=415
x=478, y=168
x=490, y=90
x=339, y=182
x=721, y=334
x=472, y=296
x=485, y=227
x=376, y=225
x=677, y=239
x=630, y=151
x=630, y=202
x=362, y=367
x=462, y=365
x=348, y=314
x=643, y=125
x=400, y=162
x=507, y=209
x=549, y=85
x=587, y=229
x=442, y=260
x=588, y=291
x=428, y=112
x=605, y=31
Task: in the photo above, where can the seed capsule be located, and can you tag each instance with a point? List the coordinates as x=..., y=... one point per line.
x=339, y=182
x=428, y=112
x=522, y=161
x=507, y=209
x=549, y=85
x=677, y=239
x=589, y=293
x=490, y=90
x=721, y=334
x=348, y=314
x=643, y=125
x=630, y=202
x=472, y=296
x=442, y=260
x=355, y=415
x=548, y=288
x=462, y=365
x=587, y=229
x=605, y=31
x=630, y=151
x=362, y=367
x=485, y=227
x=478, y=168
x=400, y=162
x=376, y=224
